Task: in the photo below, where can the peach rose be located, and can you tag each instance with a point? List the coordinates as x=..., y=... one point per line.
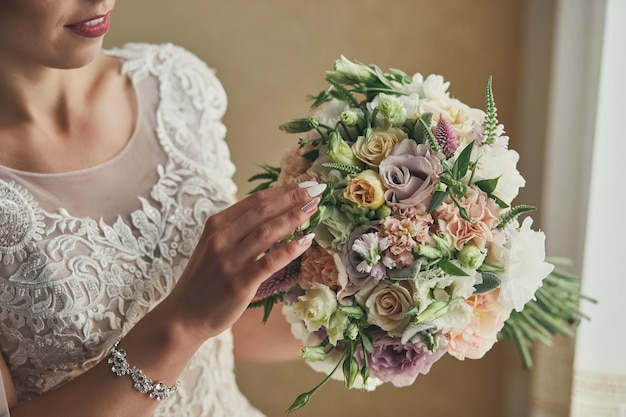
x=483, y=211
x=481, y=333
x=387, y=304
x=373, y=150
x=319, y=265
x=366, y=190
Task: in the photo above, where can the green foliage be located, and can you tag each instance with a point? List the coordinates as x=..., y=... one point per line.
x=513, y=213
x=491, y=120
x=345, y=168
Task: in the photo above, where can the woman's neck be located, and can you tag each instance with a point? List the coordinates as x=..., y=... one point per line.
x=44, y=96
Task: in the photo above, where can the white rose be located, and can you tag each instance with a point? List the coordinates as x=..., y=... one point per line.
x=526, y=268
x=316, y=307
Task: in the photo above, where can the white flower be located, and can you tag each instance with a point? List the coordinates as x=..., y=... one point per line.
x=493, y=163
x=316, y=306
x=337, y=326
x=330, y=113
x=526, y=268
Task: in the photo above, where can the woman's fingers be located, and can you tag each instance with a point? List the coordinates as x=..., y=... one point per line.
x=263, y=218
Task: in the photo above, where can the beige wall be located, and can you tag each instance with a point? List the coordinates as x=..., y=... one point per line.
x=270, y=55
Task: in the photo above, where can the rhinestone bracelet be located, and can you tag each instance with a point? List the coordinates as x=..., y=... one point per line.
x=141, y=382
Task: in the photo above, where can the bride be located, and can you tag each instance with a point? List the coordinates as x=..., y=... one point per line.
x=124, y=261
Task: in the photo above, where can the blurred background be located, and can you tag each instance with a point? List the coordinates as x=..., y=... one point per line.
x=270, y=55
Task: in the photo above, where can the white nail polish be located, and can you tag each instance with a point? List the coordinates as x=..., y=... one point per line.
x=305, y=240
x=315, y=190
x=307, y=184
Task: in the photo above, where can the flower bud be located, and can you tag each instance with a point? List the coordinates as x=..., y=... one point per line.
x=392, y=111
x=428, y=251
x=434, y=311
x=352, y=331
x=349, y=118
x=471, y=257
x=340, y=152
x=314, y=353
x=348, y=72
x=384, y=211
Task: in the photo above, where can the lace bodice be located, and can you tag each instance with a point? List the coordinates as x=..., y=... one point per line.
x=84, y=255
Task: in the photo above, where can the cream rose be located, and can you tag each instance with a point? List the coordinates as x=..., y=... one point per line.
x=366, y=190
x=373, y=150
x=387, y=304
x=316, y=307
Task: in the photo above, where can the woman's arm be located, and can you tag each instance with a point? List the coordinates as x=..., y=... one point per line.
x=217, y=285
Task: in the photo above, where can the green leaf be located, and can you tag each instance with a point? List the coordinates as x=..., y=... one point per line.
x=366, y=342
x=438, y=198
x=490, y=282
x=312, y=155
x=488, y=186
x=450, y=268
x=461, y=165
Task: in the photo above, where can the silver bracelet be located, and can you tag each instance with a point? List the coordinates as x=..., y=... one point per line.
x=141, y=382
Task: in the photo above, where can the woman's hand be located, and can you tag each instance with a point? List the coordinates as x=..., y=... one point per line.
x=232, y=257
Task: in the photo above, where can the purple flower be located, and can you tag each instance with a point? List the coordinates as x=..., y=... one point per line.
x=409, y=173
x=445, y=137
x=352, y=259
x=279, y=281
x=392, y=361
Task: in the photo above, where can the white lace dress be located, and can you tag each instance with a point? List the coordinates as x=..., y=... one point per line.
x=84, y=255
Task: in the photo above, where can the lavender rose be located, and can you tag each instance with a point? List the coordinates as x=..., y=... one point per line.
x=409, y=173
x=392, y=361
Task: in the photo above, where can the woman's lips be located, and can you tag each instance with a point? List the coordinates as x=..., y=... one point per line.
x=92, y=28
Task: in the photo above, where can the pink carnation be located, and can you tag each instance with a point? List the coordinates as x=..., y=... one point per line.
x=483, y=211
x=293, y=165
x=318, y=265
x=481, y=333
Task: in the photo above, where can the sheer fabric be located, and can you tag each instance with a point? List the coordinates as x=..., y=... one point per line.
x=4, y=408
x=84, y=255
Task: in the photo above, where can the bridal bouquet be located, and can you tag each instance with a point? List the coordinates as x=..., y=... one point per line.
x=418, y=250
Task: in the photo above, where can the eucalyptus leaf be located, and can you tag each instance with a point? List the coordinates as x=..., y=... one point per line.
x=410, y=272
x=490, y=282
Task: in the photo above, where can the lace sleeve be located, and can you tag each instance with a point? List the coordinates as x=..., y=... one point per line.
x=192, y=104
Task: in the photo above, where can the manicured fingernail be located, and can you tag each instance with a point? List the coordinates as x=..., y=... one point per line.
x=311, y=206
x=306, y=239
x=307, y=184
x=315, y=190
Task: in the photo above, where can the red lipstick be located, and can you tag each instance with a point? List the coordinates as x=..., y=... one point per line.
x=91, y=28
